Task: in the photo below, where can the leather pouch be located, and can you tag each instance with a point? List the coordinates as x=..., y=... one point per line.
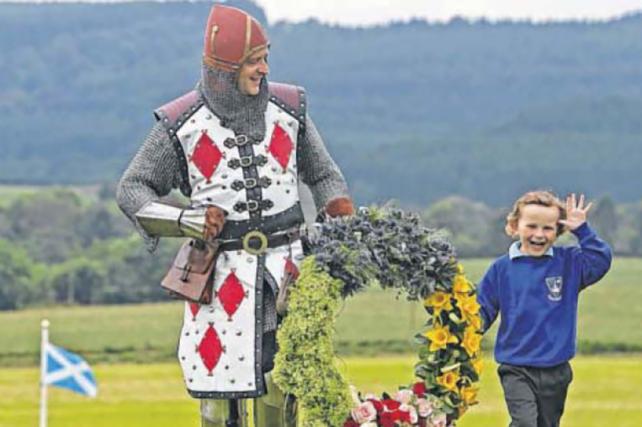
x=191, y=275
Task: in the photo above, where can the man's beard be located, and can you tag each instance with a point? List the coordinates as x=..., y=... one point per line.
x=244, y=114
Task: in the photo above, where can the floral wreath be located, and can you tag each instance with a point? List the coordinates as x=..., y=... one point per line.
x=392, y=249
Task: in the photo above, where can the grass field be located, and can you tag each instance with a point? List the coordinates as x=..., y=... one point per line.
x=605, y=391
x=370, y=324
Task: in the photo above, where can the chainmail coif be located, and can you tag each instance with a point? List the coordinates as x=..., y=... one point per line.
x=242, y=113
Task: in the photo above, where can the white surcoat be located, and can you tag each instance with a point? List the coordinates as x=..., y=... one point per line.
x=255, y=182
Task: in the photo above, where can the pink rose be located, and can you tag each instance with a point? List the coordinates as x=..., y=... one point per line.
x=364, y=413
x=404, y=396
x=424, y=407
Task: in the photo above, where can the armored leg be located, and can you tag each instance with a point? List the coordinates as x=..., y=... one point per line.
x=275, y=409
x=223, y=413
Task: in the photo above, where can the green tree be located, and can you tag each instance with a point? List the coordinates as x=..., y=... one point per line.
x=78, y=280
x=604, y=219
x=133, y=274
x=43, y=223
x=466, y=221
x=636, y=240
x=18, y=281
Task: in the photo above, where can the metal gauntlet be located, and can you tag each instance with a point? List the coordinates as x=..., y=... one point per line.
x=161, y=220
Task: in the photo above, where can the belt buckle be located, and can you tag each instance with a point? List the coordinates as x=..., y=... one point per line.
x=255, y=235
x=252, y=205
x=241, y=140
x=250, y=183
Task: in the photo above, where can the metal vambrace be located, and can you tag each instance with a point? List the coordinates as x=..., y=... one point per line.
x=161, y=220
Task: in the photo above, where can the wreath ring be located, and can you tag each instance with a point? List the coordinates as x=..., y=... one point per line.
x=392, y=249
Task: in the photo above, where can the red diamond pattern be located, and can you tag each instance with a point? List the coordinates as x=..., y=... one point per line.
x=194, y=308
x=231, y=294
x=291, y=269
x=281, y=146
x=206, y=156
x=210, y=349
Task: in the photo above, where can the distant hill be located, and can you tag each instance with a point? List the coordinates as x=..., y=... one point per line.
x=410, y=111
x=616, y=114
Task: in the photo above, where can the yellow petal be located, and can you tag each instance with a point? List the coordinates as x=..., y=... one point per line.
x=461, y=284
x=478, y=365
x=460, y=268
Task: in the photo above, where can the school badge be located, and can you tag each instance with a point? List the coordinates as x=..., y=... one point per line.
x=554, y=285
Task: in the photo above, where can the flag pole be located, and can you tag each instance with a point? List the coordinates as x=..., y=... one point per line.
x=44, y=341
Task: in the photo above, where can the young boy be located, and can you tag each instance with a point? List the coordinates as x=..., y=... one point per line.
x=535, y=287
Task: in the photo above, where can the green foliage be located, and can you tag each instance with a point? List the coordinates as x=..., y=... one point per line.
x=77, y=280
x=305, y=365
x=415, y=111
x=70, y=248
x=371, y=323
x=605, y=219
x=17, y=277
x=478, y=230
x=391, y=248
x=473, y=227
x=43, y=222
x=79, y=248
x=132, y=274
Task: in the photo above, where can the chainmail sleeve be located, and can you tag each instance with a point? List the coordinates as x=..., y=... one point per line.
x=152, y=174
x=317, y=169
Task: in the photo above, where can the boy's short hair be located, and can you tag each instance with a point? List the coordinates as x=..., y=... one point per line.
x=537, y=197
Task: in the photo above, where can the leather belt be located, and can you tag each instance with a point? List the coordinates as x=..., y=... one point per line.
x=256, y=243
x=273, y=224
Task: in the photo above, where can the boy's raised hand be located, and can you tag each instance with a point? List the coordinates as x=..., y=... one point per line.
x=575, y=212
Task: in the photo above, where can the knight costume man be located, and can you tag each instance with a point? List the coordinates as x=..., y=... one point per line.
x=237, y=146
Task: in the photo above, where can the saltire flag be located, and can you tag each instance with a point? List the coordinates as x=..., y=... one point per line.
x=68, y=370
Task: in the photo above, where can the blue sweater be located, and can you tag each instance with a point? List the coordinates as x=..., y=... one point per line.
x=537, y=299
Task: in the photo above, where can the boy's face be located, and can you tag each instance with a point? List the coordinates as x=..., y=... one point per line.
x=537, y=229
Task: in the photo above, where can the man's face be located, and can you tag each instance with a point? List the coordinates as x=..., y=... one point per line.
x=252, y=71
x=537, y=228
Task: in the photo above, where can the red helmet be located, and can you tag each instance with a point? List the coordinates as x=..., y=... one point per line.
x=231, y=36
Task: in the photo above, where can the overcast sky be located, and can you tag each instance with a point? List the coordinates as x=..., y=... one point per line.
x=362, y=12
x=368, y=12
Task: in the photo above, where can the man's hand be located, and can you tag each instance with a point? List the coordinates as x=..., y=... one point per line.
x=214, y=221
x=575, y=212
